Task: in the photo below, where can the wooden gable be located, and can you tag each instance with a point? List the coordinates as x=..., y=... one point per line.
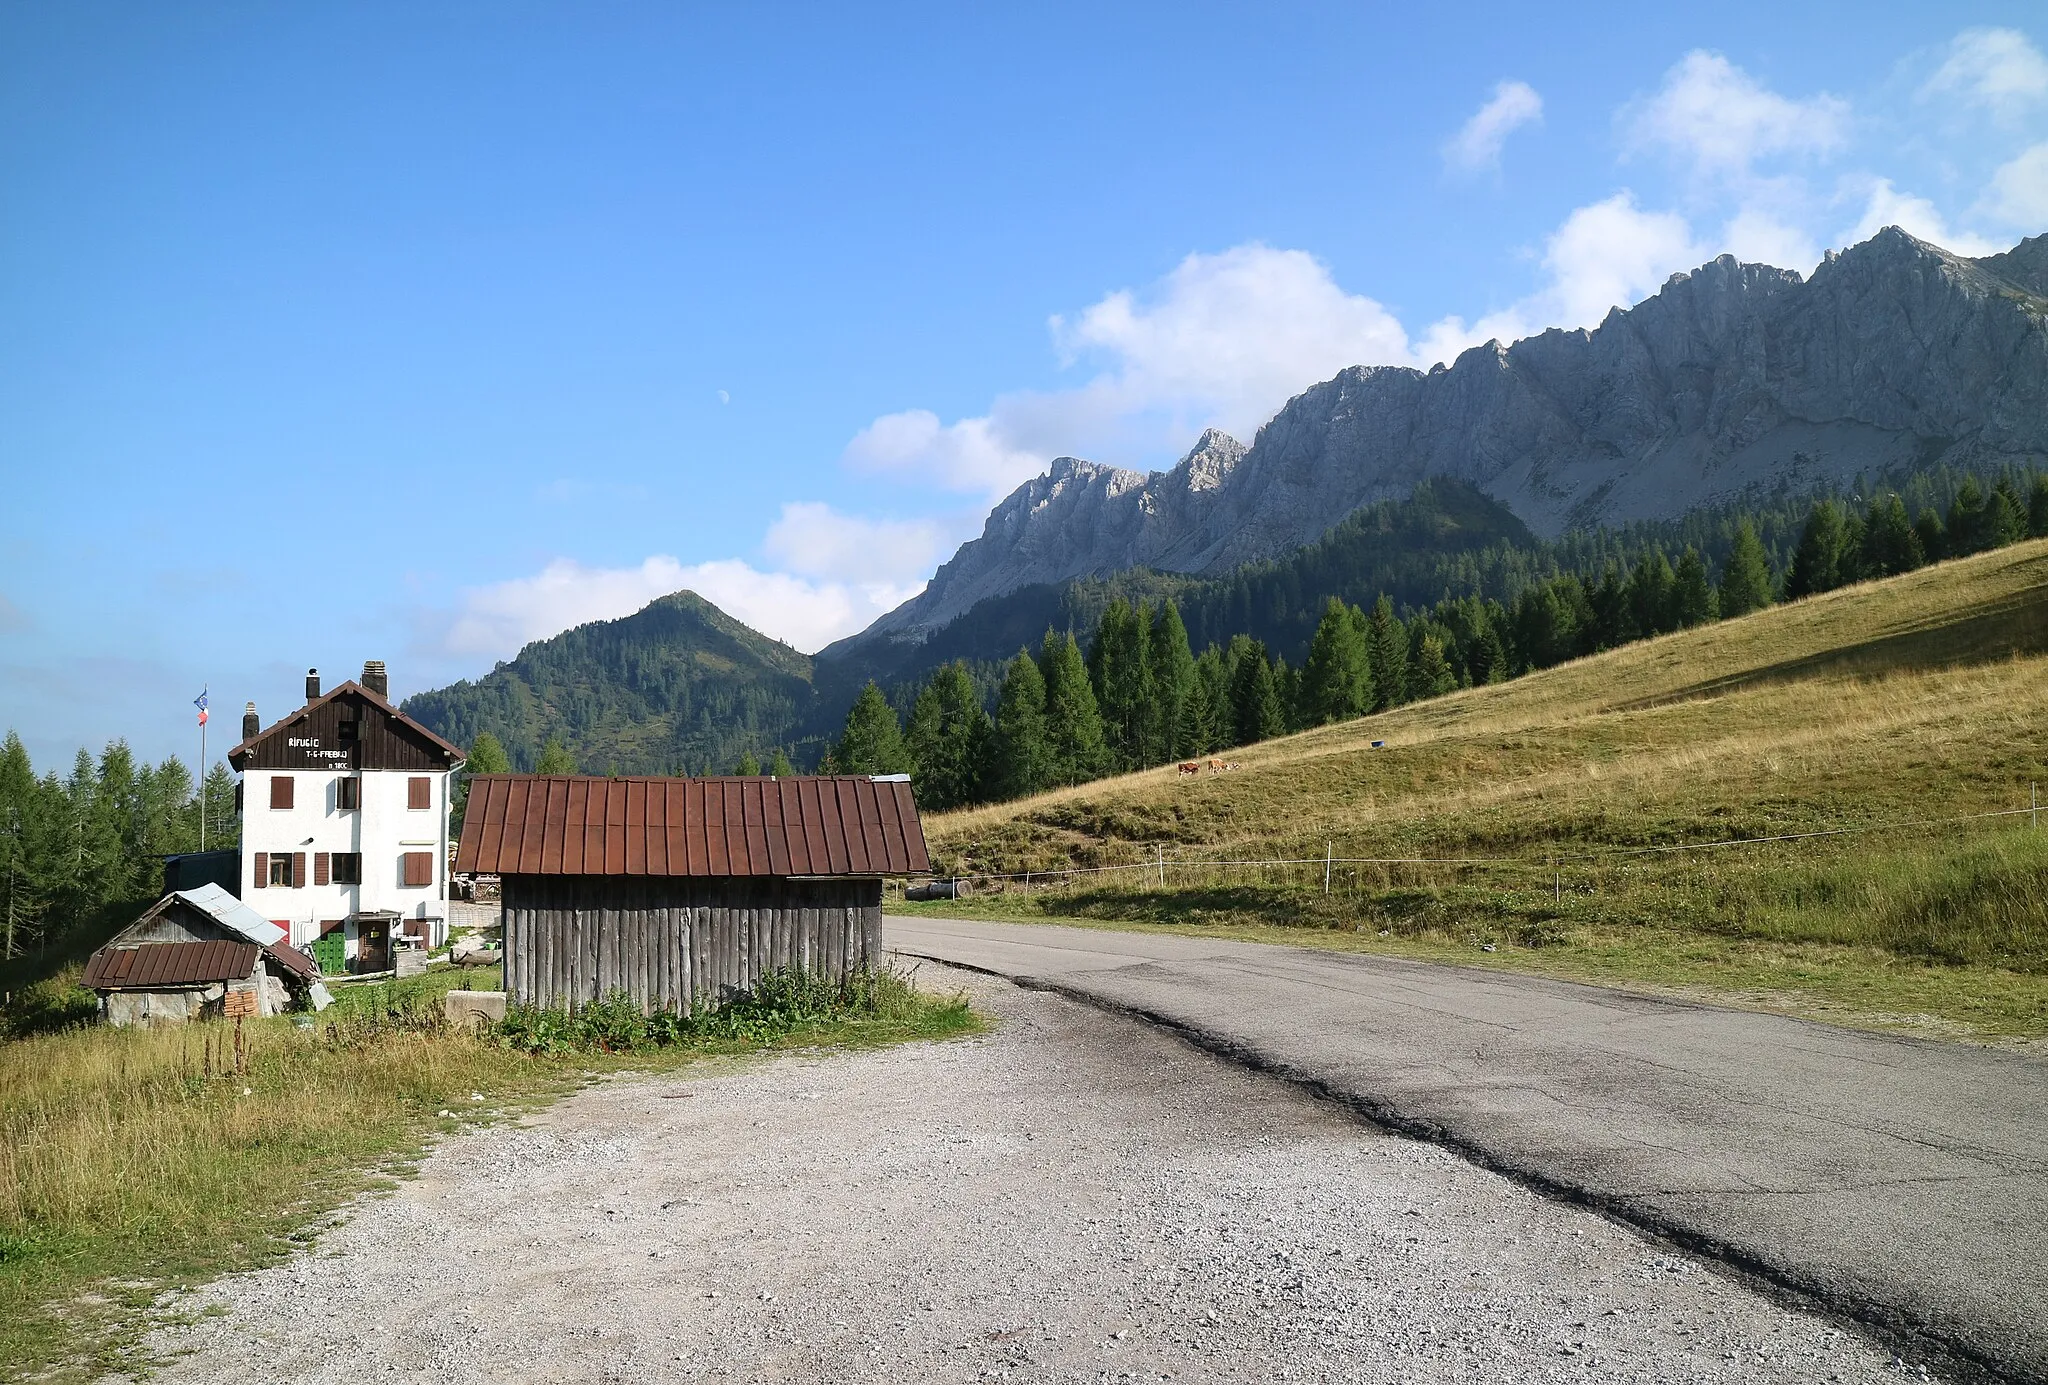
x=349, y=728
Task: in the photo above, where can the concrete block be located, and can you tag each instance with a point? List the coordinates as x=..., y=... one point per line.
x=474, y=1009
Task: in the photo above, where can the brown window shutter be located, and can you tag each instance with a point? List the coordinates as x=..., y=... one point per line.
x=298, y=870
x=419, y=867
x=319, y=867
x=348, y=793
x=281, y=792
x=419, y=792
x=262, y=869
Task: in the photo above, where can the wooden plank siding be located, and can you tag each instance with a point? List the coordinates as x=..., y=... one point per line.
x=680, y=942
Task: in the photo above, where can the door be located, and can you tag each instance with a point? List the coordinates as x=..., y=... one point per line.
x=373, y=945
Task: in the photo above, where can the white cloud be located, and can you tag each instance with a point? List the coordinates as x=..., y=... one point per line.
x=1477, y=146
x=1916, y=216
x=1998, y=69
x=1755, y=236
x=1606, y=255
x=815, y=540
x=1721, y=120
x=2019, y=191
x=1223, y=340
x=495, y=621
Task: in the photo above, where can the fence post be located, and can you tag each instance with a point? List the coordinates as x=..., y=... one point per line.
x=1162, y=866
x=2034, y=798
x=1329, y=850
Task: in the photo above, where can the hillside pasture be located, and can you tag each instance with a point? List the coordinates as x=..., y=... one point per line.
x=1567, y=821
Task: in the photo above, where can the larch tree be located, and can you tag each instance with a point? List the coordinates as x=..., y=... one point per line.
x=555, y=758
x=1817, y=561
x=1174, y=685
x=1021, y=757
x=871, y=742
x=1692, y=596
x=1120, y=670
x=1387, y=652
x=1890, y=546
x=1746, y=579
x=1336, y=681
x=1076, y=748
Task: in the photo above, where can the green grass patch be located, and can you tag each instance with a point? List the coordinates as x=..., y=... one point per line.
x=133, y=1162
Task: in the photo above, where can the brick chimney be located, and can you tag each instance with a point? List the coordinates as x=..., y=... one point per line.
x=250, y=725
x=375, y=680
x=312, y=685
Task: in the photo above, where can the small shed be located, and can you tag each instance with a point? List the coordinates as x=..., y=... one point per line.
x=200, y=952
x=679, y=892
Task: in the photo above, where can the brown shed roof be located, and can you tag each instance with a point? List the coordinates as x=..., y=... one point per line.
x=169, y=964
x=522, y=824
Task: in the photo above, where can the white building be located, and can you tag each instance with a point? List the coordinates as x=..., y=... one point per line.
x=345, y=824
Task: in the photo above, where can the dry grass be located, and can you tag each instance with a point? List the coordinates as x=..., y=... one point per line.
x=1920, y=697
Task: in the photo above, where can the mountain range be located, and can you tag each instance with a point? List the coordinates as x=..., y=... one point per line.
x=1735, y=380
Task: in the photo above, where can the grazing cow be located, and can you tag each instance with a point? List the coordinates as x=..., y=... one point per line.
x=1215, y=765
x=1190, y=767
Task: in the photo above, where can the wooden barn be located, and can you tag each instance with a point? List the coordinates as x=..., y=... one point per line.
x=200, y=953
x=679, y=892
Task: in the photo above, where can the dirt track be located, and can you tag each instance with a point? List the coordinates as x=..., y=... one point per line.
x=1074, y=1197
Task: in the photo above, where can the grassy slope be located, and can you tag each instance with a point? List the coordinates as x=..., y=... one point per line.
x=131, y=1163
x=1918, y=697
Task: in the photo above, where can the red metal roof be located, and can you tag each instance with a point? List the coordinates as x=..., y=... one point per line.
x=169, y=964
x=526, y=824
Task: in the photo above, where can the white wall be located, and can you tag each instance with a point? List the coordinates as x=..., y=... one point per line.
x=383, y=829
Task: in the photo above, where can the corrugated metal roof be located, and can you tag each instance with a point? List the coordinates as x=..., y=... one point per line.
x=169, y=964
x=526, y=824
x=231, y=914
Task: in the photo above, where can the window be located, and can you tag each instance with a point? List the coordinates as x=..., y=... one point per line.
x=349, y=732
x=419, y=867
x=419, y=792
x=281, y=869
x=281, y=791
x=348, y=792
x=348, y=867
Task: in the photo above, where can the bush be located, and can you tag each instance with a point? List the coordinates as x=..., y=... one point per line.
x=784, y=1002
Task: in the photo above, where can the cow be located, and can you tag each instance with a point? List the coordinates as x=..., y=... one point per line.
x=1215, y=765
x=1190, y=767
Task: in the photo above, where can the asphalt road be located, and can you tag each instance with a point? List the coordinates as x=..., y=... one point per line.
x=1900, y=1181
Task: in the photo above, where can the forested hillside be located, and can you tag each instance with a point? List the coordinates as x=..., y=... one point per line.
x=679, y=687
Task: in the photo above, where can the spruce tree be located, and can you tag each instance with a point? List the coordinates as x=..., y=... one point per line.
x=1336, y=682
x=1613, y=622
x=749, y=765
x=1212, y=701
x=1121, y=675
x=1966, y=528
x=1692, y=596
x=1254, y=699
x=1890, y=546
x=1387, y=652
x=1746, y=579
x=1649, y=594
x=2005, y=518
x=2037, y=507
x=779, y=765
x=1430, y=673
x=1020, y=756
x=1287, y=688
x=872, y=740
x=1816, y=563
x=555, y=758
x=1179, y=719
x=1073, y=722
x=1932, y=533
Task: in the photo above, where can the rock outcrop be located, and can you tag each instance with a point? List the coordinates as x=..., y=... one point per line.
x=1731, y=378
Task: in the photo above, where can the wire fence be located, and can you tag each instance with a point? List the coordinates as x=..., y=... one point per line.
x=1165, y=869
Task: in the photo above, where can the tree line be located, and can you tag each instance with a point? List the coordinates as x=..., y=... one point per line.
x=1140, y=697
x=76, y=846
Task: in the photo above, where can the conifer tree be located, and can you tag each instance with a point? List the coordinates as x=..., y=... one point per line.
x=1212, y=701
x=749, y=765
x=487, y=756
x=1430, y=673
x=1890, y=546
x=872, y=740
x=1692, y=596
x=1649, y=595
x=1816, y=563
x=1613, y=623
x=2005, y=519
x=555, y=758
x=1336, y=682
x=1073, y=721
x=1122, y=678
x=1387, y=652
x=223, y=823
x=1021, y=757
x=2037, y=507
x=780, y=766
x=1254, y=699
x=1932, y=533
x=947, y=739
x=1745, y=582
x=1179, y=719
x=1287, y=688
x=1966, y=528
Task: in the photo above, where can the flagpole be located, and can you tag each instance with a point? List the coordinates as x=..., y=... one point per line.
x=202, y=783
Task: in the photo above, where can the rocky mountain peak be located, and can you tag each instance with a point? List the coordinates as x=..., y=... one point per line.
x=1213, y=457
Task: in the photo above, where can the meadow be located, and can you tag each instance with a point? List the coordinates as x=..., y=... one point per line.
x=135, y=1161
x=1604, y=819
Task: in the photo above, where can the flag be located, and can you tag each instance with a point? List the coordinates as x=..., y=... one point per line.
x=200, y=703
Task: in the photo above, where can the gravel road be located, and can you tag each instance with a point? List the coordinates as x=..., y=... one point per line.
x=1073, y=1197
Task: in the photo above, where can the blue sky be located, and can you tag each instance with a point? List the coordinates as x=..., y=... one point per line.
x=414, y=332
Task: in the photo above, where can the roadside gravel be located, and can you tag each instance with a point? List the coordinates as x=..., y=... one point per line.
x=1073, y=1197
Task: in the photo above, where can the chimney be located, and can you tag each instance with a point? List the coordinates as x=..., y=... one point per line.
x=312, y=685
x=250, y=726
x=374, y=679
